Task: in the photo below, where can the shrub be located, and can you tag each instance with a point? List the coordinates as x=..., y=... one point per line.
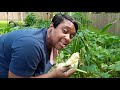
x=30, y=19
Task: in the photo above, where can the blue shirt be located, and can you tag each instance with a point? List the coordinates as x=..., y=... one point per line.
x=24, y=53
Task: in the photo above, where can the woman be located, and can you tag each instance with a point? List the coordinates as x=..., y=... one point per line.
x=30, y=53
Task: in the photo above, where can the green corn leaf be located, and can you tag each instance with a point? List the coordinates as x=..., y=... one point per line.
x=106, y=27
x=81, y=70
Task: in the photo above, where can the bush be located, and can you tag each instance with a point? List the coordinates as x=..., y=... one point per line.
x=30, y=19
x=40, y=23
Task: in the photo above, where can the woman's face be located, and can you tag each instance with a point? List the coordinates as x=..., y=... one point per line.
x=62, y=34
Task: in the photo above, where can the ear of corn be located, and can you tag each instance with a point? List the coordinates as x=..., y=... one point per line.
x=72, y=61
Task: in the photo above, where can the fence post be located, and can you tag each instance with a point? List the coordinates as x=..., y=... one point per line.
x=7, y=18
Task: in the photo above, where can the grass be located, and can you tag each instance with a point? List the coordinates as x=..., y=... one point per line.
x=5, y=23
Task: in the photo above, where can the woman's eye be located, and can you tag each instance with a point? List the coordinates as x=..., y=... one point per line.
x=65, y=31
x=71, y=36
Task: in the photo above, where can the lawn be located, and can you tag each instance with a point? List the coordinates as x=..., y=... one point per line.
x=5, y=23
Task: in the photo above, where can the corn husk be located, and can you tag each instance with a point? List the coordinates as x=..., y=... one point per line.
x=72, y=61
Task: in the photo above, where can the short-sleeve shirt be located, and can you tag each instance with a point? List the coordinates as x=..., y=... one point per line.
x=24, y=53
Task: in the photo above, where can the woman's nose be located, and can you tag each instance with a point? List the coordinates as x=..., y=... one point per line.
x=67, y=38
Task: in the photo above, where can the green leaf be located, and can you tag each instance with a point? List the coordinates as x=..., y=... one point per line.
x=104, y=75
x=106, y=27
x=104, y=66
x=115, y=66
x=81, y=70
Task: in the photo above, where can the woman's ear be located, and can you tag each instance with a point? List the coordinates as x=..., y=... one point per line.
x=51, y=25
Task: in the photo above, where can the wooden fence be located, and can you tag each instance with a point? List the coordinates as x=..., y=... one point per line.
x=102, y=19
x=19, y=16
x=15, y=16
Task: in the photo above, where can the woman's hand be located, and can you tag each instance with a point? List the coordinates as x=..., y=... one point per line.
x=62, y=72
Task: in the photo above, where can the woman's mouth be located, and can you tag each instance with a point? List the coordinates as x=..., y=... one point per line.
x=62, y=44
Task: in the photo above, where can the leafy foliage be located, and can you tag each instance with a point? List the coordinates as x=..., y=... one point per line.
x=99, y=54
x=41, y=23
x=30, y=19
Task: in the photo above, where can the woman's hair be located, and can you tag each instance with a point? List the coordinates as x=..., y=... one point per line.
x=58, y=18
